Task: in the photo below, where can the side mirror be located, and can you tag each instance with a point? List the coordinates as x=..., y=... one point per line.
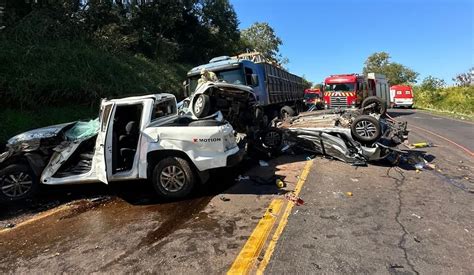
x=254, y=80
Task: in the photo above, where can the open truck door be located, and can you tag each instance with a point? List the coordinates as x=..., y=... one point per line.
x=103, y=145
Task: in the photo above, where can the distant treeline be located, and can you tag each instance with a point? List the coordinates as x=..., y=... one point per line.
x=62, y=52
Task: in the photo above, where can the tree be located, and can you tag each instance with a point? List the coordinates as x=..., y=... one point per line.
x=306, y=83
x=465, y=79
x=431, y=83
x=262, y=38
x=396, y=73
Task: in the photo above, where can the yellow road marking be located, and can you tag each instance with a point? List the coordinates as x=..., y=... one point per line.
x=247, y=257
x=284, y=220
x=252, y=248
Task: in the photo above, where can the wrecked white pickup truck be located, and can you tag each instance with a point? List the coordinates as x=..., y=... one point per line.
x=134, y=138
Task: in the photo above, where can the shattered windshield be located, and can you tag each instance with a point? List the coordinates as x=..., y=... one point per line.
x=234, y=76
x=346, y=87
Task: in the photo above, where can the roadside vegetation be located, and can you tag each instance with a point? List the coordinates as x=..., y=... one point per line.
x=432, y=94
x=58, y=58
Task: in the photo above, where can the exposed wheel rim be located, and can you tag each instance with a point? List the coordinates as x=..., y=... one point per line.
x=16, y=185
x=365, y=128
x=272, y=139
x=199, y=104
x=172, y=178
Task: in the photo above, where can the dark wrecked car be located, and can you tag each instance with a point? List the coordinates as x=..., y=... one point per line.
x=133, y=138
x=353, y=136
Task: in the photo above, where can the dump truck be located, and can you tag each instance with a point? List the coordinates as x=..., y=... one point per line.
x=263, y=90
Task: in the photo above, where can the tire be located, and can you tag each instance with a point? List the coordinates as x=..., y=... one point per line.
x=286, y=111
x=201, y=106
x=379, y=108
x=17, y=182
x=177, y=169
x=366, y=129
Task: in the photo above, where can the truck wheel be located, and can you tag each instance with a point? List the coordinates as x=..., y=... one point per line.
x=379, y=105
x=17, y=182
x=173, y=178
x=366, y=129
x=286, y=111
x=202, y=106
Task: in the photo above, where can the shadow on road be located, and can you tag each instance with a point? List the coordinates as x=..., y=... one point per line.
x=398, y=113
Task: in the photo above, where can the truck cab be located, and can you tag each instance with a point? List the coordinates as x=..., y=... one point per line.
x=350, y=90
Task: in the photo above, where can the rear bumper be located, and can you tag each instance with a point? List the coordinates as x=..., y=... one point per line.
x=403, y=104
x=235, y=158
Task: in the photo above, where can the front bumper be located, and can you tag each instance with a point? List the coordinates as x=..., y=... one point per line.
x=235, y=158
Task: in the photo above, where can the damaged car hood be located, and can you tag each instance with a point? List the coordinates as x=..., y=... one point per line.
x=223, y=86
x=45, y=132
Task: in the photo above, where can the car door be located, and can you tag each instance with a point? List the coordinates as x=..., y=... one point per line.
x=102, y=150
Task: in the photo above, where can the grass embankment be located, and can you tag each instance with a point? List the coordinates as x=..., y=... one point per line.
x=457, y=101
x=47, y=79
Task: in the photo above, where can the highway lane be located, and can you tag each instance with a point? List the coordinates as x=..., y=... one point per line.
x=398, y=220
x=458, y=131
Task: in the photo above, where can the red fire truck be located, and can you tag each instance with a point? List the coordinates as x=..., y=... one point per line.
x=349, y=90
x=313, y=98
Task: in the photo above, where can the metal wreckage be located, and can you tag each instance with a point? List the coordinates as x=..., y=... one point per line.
x=175, y=145
x=355, y=136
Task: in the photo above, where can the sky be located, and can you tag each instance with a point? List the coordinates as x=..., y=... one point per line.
x=331, y=37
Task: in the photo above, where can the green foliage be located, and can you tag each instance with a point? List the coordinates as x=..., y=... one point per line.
x=15, y=122
x=465, y=79
x=57, y=72
x=431, y=83
x=458, y=100
x=262, y=38
x=396, y=73
x=306, y=83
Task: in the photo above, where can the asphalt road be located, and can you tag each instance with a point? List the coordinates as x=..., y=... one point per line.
x=396, y=221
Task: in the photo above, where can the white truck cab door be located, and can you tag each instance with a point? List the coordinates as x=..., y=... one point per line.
x=107, y=110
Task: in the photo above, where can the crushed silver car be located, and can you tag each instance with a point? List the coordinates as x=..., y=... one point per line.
x=353, y=136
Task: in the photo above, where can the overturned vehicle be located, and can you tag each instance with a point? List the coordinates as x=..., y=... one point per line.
x=355, y=136
x=134, y=138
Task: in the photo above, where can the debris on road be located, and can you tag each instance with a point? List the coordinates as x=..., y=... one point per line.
x=396, y=266
x=240, y=178
x=295, y=199
x=354, y=180
x=224, y=198
x=420, y=145
x=416, y=216
x=280, y=183
x=10, y=225
x=349, y=194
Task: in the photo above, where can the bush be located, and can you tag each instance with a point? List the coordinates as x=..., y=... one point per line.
x=459, y=100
